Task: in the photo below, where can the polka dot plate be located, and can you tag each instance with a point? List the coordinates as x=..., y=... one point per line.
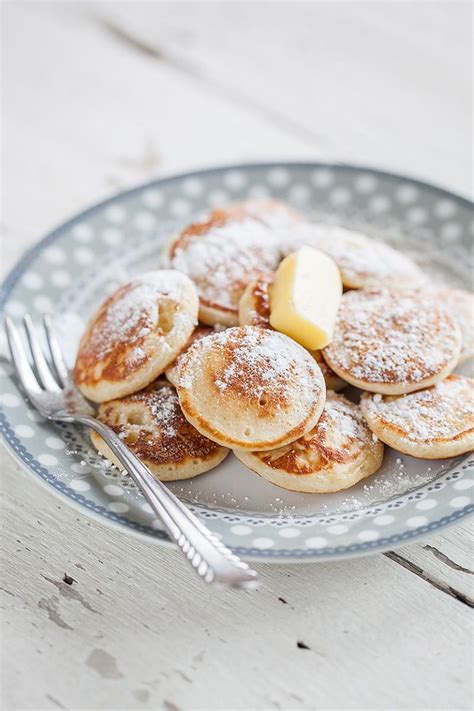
x=71, y=270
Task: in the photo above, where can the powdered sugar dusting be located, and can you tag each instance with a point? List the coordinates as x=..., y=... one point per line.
x=225, y=258
x=387, y=336
x=362, y=260
x=440, y=412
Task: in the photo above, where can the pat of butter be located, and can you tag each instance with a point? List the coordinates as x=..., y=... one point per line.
x=305, y=297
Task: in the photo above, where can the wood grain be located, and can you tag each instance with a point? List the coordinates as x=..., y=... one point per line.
x=102, y=96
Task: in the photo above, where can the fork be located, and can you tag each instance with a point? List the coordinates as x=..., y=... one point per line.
x=50, y=388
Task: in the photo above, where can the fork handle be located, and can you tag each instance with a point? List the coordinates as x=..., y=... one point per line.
x=208, y=556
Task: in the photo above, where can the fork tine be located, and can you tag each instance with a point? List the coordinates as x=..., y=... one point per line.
x=55, y=350
x=20, y=360
x=40, y=362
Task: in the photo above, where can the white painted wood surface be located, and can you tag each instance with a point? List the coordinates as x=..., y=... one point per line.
x=101, y=96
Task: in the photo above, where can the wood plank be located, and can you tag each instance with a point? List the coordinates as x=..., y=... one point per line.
x=358, y=79
x=139, y=632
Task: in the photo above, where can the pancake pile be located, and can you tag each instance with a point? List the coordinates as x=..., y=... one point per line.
x=235, y=383
x=225, y=250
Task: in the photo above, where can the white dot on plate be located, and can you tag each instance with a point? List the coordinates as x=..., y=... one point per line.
x=365, y=183
x=24, y=431
x=113, y=490
x=80, y=468
x=234, y=180
x=241, y=530
x=384, y=520
x=111, y=235
x=416, y=521
x=289, y=532
x=379, y=203
x=192, y=187
x=47, y=460
x=299, y=193
x=60, y=278
x=216, y=198
x=35, y=416
x=116, y=214
x=426, y=504
x=180, y=207
x=32, y=280
x=338, y=529
x=463, y=484
x=147, y=509
x=42, y=303
x=407, y=194
x=55, y=255
x=322, y=178
x=417, y=215
x=6, y=369
x=118, y=507
x=83, y=255
x=451, y=230
x=258, y=191
x=9, y=400
x=152, y=198
x=278, y=177
x=83, y=233
x=144, y=221
x=368, y=535
x=15, y=308
x=460, y=501
x=54, y=443
x=445, y=208
x=340, y=196
x=263, y=543
x=79, y=485
x=316, y=542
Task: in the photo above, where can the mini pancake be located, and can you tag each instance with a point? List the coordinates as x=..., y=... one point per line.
x=254, y=310
x=250, y=388
x=172, y=371
x=153, y=427
x=224, y=251
x=136, y=333
x=387, y=341
x=362, y=261
x=430, y=424
x=337, y=453
x=460, y=304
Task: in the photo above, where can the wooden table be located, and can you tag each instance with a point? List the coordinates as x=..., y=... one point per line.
x=102, y=96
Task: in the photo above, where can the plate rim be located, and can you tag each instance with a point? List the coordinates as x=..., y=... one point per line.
x=146, y=532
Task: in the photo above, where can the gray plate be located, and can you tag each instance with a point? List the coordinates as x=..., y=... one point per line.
x=72, y=269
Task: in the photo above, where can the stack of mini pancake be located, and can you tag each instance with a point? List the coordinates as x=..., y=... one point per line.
x=185, y=365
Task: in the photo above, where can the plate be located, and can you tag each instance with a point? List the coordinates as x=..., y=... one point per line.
x=75, y=266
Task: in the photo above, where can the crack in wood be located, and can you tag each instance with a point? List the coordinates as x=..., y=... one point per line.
x=448, y=561
x=417, y=570
x=155, y=53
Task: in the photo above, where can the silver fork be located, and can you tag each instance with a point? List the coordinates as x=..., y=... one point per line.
x=52, y=392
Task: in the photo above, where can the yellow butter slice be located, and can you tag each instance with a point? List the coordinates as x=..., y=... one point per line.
x=305, y=297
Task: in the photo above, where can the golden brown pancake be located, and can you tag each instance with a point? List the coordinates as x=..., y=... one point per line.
x=172, y=371
x=227, y=249
x=250, y=388
x=254, y=310
x=387, y=341
x=135, y=334
x=152, y=425
x=337, y=453
x=362, y=261
x=430, y=424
